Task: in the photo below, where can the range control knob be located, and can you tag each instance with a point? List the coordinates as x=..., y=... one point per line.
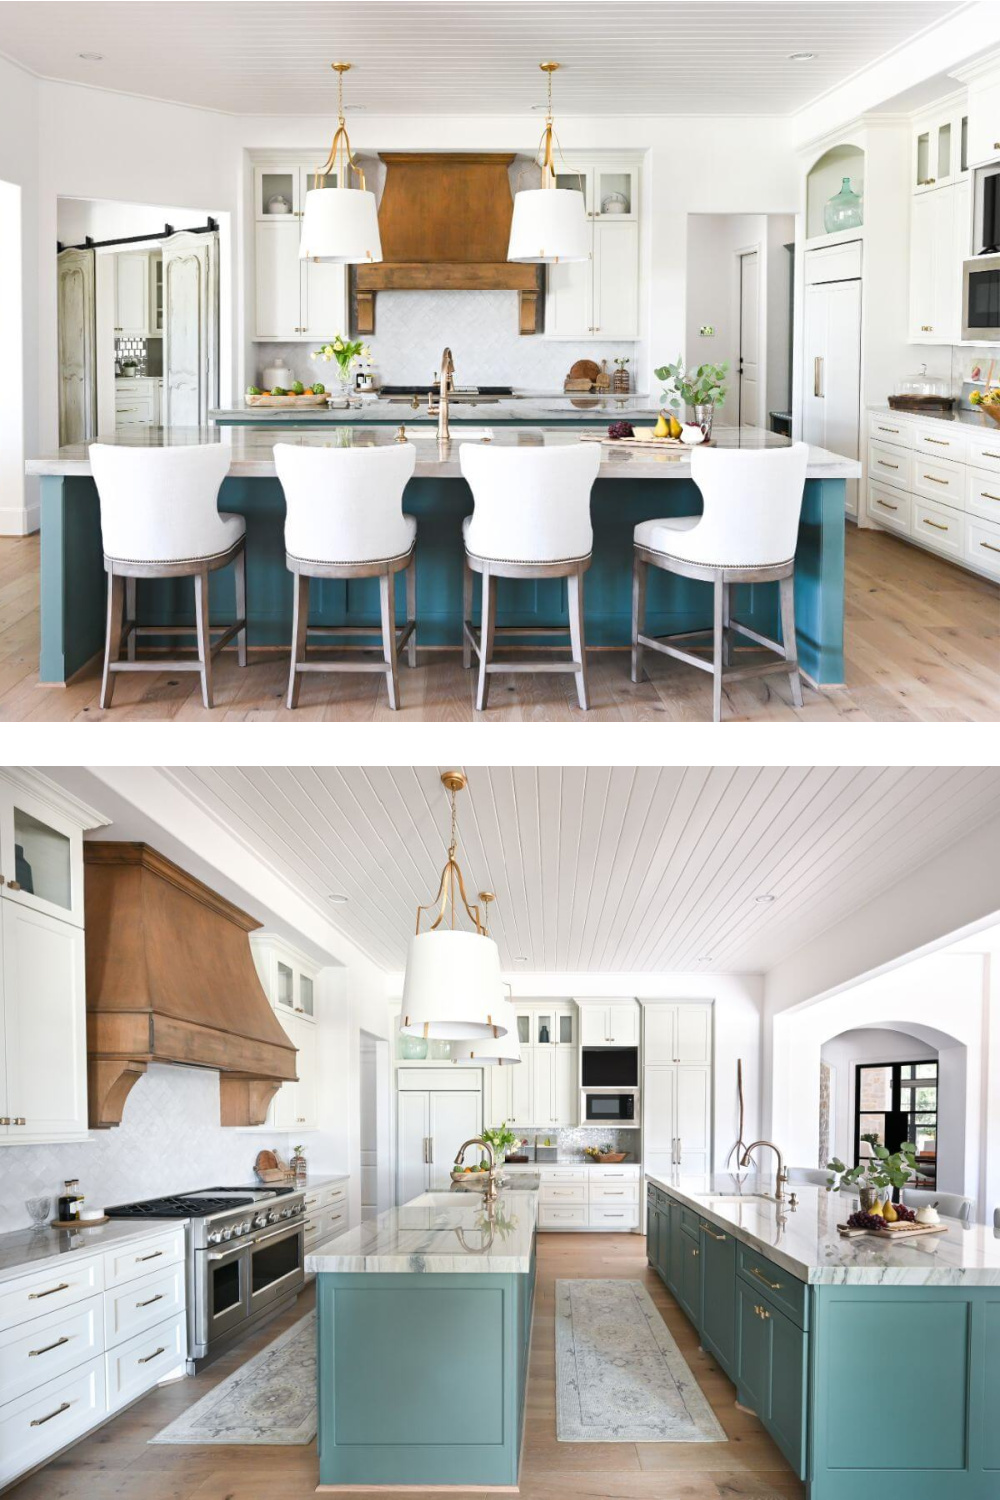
x=260, y=1221
x=272, y=1217
x=214, y=1237
x=286, y=1213
x=227, y=1233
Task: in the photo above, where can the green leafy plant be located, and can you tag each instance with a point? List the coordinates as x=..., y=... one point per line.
x=345, y=351
x=701, y=387
x=501, y=1138
x=621, y=361
x=883, y=1170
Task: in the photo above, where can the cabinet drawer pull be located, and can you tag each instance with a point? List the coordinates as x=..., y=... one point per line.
x=62, y=1287
x=881, y=429
x=13, y=885
x=712, y=1232
x=150, y=1300
x=927, y=328
x=934, y=479
x=989, y=547
x=985, y=453
x=941, y=442
x=308, y=1224
x=887, y=465
x=985, y=495
x=886, y=506
x=926, y=182
x=621, y=1216
x=45, y=1349
x=145, y=1358
x=19, y=1120
x=818, y=376
x=151, y=1256
x=40, y=1421
x=936, y=524
x=774, y=1285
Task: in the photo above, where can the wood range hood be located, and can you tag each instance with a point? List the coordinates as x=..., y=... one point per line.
x=170, y=978
x=444, y=222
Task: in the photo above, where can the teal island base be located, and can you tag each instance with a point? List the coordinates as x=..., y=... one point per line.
x=73, y=581
x=422, y=1377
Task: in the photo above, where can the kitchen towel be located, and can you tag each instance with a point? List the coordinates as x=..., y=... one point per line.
x=270, y=1399
x=620, y=1378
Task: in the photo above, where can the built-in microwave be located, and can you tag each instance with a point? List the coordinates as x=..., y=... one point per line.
x=981, y=298
x=609, y=1109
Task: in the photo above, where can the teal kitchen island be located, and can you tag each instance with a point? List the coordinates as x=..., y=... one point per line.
x=874, y=1367
x=423, y=1327
x=633, y=485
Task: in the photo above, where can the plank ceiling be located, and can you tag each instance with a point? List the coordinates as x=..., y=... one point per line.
x=603, y=868
x=466, y=56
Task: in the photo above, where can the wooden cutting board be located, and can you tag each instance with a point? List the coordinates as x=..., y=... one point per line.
x=643, y=439
x=903, y=1232
x=286, y=400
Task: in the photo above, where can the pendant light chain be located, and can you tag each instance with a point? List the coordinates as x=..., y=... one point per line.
x=451, y=876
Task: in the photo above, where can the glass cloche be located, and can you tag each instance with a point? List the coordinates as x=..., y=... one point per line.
x=922, y=384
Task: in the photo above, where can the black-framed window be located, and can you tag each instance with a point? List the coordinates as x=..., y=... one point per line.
x=897, y=1102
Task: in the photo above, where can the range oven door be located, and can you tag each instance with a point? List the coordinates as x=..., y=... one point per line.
x=277, y=1265
x=222, y=1295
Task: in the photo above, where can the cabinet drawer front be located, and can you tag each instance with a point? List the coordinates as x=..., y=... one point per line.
x=690, y=1222
x=332, y=1223
x=984, y=452
x=40, y=1423
x=776, y=1285
x=982, y=546
x=331, y=1195
x=614, y=1192
x=563, y=1174
x=614, y=1174
x=135, y=1260
x=143, y=1303
x=891, y=508
x=941, y=442
x=938, y=527
x=140, y=1363
x=982, y=497
x=939, y=481
x=888, y=430
x=550, y=1216
x=47, y=1291
x=562, y=1192
x=33, y=1353
x=834, y=263
x=890, y=465
x=603, y=1216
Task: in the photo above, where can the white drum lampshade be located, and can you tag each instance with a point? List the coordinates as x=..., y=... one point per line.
x=548, y=225
x=340, y=224
x=452, y=990
x=491, y=1052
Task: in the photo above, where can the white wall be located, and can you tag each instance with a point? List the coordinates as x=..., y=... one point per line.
x=19, y=294
x=844, y=1053
x=78, y=217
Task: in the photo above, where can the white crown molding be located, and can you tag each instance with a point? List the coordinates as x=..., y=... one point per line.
x=40, y=786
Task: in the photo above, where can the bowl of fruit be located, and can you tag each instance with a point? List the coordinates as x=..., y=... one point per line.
x=475, y=1177
x=988, y=402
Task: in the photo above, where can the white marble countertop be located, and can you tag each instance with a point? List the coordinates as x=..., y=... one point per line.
x=253, y=456
x=27, y=1250
x=527, y=408
x=441, y=1232
x=804, y=1241
x=321, y=1179
x=571, y=1161
x=969, y=421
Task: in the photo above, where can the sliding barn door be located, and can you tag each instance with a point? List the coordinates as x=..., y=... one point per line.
x=190, y=329
x=77, y=388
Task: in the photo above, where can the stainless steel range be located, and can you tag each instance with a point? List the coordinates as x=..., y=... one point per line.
x=245, y=1258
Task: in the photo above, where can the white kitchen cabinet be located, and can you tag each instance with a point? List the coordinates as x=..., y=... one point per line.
x=288, y=977
x=938, y=235
x=44, y=1027
x=553, y=1083
x=984, y=119
x=289, y=981
x=606, y=1023
x=599, y=298
x=677, y=1033
x=616, y=279
x=132, y=288
x=521, y=1094
x=431, y=1125
x=831, y=396
x=324, y=300
x=677, y=1117
x=306, y=1097
x=41, y=851
x=940, y=147
x=296, y=300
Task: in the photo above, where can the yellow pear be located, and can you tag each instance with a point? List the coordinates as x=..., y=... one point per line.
x=675, y=426
x=662, y=428
x=889, y=1214
x=876, y=1207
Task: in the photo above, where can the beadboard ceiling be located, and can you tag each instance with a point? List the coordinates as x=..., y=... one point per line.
x=649, y=869
x=466, y=56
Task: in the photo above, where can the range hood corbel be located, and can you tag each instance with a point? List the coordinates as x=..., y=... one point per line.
x=170, y=978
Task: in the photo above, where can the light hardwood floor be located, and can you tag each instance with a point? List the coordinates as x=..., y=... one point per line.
x=922, y=643
x=117, y=1461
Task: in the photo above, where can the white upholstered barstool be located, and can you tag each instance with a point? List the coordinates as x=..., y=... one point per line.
x=747, y=533
x=531, y=520
x=345, y=520
x=160, y=519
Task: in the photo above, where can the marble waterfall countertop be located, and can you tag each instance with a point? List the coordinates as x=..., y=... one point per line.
x=804, y=1240
x=531, y=407
x=26, y=1250
x=252, y=449
x=444, y=1231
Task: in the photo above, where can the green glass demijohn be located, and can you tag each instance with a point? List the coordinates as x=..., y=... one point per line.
x=843, y=210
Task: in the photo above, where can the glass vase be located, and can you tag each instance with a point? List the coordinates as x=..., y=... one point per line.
x=843, y=210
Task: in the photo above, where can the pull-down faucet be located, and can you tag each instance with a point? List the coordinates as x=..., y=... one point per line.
x=782, y=1174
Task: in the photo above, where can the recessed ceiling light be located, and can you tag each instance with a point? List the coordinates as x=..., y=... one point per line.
x=91, y=56
x=339, y=900
x=519, y=958
x=765, y=900
x=801, y=56
x=707, y=958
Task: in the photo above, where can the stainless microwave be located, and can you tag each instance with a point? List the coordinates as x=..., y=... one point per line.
x=610, y=1109
x=981, y=298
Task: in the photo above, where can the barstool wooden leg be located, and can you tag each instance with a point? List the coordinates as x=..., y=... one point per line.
x=727, y=634
x=300, y=624
x=787, y=586
x=486, y=632
x=640, y=573
x=241, y=605
x=574, y=592
x=466, y=612
x=130, y=616
x=387, y=590
x=411, y=610
x=717, y=650
x=204, y=638
x=113, y=635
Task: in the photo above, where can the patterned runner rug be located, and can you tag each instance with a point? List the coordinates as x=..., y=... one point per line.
x=270, y=1399
x=620, y=1378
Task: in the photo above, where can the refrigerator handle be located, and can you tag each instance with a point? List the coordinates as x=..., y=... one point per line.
x=818, y=376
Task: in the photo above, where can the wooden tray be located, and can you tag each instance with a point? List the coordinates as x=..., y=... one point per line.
x=929, y=406
x=287, y=400
x=635, y=442
x=78, y=1223
x=610, y=1156
x=892, y=1231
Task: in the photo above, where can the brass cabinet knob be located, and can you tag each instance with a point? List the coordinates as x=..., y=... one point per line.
x=19, y=1120
x=4, y=1119
x=13, y=885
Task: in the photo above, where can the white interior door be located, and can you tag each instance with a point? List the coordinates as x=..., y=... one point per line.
x=749, y=372
x=412, y=1143
x=75, y=334
x=190, y=329
x=454, y=1117
x=694, y=1118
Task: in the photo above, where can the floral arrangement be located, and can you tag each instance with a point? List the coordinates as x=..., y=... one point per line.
x=501, y=1138
x=881, y=1171
x=700, y=387
x=989, y=397
x=346, y=352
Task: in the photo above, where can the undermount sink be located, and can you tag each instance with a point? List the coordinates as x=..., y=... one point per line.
x=742, y=1197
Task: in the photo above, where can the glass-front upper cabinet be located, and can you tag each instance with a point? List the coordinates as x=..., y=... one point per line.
x=307, y=1003
x=284, y=988
x=616, y=191
x=940, y=151
x=279, y=191
x=555, y=1027
x=41, y=857
x=577, y=180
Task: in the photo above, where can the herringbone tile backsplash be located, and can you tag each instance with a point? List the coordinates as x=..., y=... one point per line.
x=169, y=1140
x=480, y=328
